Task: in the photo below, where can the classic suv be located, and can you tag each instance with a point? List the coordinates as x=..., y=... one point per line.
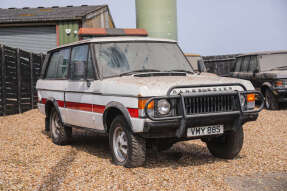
x=140, y=91
x=268, y=73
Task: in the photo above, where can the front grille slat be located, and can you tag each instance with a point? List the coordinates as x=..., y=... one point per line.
x=211, y=104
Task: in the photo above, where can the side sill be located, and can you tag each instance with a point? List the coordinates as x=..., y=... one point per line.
x=86, y=129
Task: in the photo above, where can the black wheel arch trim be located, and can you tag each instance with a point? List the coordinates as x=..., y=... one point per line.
x=124, y=111
x=266, y=85
x=56, y=106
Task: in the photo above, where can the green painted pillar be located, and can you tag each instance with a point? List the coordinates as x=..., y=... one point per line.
x=158, y=17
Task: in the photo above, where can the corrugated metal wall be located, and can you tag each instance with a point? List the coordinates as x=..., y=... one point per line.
x=65, y=37
x=34, y=39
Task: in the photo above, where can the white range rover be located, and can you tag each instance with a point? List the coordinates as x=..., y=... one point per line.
x=139, y=91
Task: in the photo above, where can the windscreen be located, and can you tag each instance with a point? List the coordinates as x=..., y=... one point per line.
x=122, y=57
x=272, y=61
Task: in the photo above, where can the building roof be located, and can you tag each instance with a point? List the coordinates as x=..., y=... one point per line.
x=46, y=14
x=263, y=53
x=116, y=39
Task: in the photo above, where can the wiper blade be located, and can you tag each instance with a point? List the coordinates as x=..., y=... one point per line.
x=186, y=71
x=137, y=71
x=280, y=67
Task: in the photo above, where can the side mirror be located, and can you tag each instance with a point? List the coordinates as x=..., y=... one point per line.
x=79, y=70
x=201, y=67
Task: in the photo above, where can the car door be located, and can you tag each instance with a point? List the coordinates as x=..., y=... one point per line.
x=79, y=95
x=54, y=81
x=254, y=70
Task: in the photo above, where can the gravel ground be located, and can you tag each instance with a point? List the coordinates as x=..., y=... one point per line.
x=30, y=161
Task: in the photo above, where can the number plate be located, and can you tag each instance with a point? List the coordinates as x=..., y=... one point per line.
x=206, y=130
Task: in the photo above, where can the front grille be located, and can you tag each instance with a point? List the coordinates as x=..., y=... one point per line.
x=211, y=104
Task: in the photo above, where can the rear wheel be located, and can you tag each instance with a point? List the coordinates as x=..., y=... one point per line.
x=228, y=145
x=60, y=134
x=127, y=149
x=271, y=102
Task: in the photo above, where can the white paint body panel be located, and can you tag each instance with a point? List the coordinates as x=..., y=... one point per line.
x=124, y=90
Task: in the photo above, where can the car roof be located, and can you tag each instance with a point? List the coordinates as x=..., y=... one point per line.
x=114, y=39
x=263, y=53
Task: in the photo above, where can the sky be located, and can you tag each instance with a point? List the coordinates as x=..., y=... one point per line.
x=206, y=27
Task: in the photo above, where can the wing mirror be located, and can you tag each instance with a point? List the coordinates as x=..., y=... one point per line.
x=79, y=70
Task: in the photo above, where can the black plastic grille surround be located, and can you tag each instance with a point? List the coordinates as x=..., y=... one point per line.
x=211, y=104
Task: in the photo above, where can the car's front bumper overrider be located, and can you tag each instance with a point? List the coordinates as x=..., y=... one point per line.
x=184, y=120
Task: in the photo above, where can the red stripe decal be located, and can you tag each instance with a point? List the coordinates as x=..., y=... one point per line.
x=44, y=100
x=133, y=112
x=79, y=106
x=99, y=108
x=61, y=103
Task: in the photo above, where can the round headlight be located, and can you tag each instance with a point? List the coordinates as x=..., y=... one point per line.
x=163, y=107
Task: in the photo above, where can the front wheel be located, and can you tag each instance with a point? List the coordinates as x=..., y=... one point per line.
x=127, y=149
x=228, y=145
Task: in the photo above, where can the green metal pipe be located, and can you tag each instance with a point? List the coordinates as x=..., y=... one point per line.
x=158, y=17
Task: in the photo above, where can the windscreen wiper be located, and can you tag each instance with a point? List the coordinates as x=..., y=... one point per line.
x=137, y=71
x=280, y=67
x=186, y=71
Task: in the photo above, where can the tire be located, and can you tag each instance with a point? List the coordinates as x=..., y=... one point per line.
x=59, y=133
x=271, y=102
x=228, y=145
x=128, y=150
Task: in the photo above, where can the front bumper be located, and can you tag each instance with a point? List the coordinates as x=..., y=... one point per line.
x=176, y=126
x=168, y=129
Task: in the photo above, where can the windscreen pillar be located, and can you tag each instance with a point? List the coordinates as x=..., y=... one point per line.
x=158, y=17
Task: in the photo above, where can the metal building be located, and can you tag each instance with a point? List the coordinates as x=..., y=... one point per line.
x=158, y=17
x=40, y=29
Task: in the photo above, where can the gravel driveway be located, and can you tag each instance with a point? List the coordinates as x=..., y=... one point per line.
x=30, y=161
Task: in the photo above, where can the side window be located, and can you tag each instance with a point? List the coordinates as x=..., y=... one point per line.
x=253, y=64
x=245, y=64
x=79, y=59
x=90, y=72
x=52, y=66
x=63, y=63
x=58, y=64
x=238, y=64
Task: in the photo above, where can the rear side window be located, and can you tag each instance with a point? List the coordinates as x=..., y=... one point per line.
x=79, y=59
x=238, y=64
x=58, y=64
x=63, y=63
x=52, y=66
x=253, y=64
x=245, y=64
